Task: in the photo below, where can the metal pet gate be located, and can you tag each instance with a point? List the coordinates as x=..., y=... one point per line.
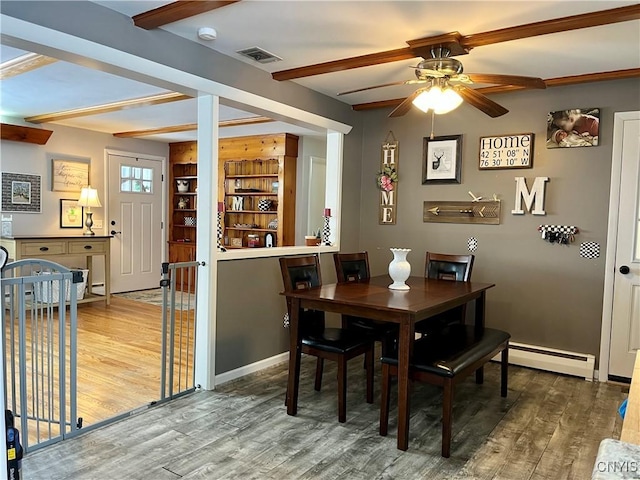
x=39, y=336
x=179, y=282
x=40, y=342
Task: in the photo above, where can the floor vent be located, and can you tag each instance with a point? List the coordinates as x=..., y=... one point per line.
x=259, y=55
x=552, y=360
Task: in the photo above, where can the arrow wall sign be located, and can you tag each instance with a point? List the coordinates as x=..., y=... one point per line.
x=485, y=212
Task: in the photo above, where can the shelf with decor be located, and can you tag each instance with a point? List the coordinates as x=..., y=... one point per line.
x=183, y=207
x=257, y=185
x=255, y=168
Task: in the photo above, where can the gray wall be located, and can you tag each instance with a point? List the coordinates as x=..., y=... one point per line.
x=545, y=294
x=250, y=331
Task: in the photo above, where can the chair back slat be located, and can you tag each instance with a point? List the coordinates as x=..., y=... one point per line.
x=448, y=267
x=352, y=267
x=301, y=273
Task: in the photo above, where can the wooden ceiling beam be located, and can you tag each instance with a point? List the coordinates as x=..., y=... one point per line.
x=23, y=64
x=109, y=107
x=175, y=11
x=557, y=25
x=421, y=46
x=345, y=64
x=192, y=126
x=551, y=82
x=20, y=133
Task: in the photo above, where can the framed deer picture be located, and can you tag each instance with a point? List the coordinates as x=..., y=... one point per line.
x=442, y=161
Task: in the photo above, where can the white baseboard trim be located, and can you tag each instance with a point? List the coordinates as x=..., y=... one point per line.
x=251, y=368
x=552, y=360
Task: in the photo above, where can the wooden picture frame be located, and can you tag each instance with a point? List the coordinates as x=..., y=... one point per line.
x=69, y=174
x=442, y=160
x=71, y=214
x=21, y=193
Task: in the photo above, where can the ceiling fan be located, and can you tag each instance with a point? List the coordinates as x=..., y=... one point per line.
x=443, y=77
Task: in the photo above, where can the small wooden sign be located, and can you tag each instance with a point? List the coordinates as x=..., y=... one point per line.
x=487, y=213
x=506, y=151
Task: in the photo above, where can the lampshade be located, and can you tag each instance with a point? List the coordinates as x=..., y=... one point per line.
x=89, y=198
x=438, y=99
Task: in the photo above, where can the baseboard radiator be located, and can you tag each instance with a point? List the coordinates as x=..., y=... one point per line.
x=552, y=360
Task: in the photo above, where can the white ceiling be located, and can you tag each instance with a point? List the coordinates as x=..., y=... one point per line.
x=308, y=32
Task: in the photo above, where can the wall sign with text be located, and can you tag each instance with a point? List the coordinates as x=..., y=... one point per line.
x=506, y=151
x=387, y=181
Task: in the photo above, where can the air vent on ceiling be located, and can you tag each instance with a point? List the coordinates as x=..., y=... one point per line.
x=259, y=55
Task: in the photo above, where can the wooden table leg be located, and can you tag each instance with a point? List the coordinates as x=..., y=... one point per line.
x=405, y=344
x=295, y=348
x=480, y=311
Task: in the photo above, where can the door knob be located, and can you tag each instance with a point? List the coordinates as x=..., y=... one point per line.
x=113, y=232
x=624, y=269
x=113, y=222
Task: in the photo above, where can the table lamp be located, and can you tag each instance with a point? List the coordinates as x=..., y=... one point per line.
x=89, y=198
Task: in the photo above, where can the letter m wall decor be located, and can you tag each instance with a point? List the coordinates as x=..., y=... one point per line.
x=534, y=198
x=387, y=181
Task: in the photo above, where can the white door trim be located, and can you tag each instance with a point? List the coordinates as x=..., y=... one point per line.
x=612, y=240
x=145, y=156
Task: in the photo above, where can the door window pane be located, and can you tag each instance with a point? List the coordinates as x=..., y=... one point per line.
x=136, y=179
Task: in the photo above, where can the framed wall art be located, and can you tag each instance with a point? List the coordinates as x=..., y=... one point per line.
x=442, y=162
x=21, y=193
x=575, y=127
x=71, y=215
x=69, y=174
x=506, y=151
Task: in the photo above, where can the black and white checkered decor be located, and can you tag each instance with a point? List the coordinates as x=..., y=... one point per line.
x=326, y=232
x=472, y=244
x=590, y=250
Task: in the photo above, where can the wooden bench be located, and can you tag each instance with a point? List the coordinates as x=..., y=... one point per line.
x=443, y=359
x=620, y=459
x=631, y=424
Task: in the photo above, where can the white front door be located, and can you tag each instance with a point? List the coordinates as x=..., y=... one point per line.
x=625, y=326
x=135, y=221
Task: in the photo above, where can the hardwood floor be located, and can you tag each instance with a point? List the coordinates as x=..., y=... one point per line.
x=119, y=361
x=549, y=427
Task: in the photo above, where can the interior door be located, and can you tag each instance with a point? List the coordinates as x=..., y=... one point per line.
x=625, y=327
x=135, y=221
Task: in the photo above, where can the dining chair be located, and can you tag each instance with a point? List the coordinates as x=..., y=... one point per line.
x=445, y=358
x=441, y=266
x=335, y=344
x=354, y=267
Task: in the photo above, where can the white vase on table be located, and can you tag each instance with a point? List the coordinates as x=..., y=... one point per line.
x=399, y=268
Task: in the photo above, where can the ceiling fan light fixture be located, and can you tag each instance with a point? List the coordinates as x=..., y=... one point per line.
x=449, y=100
x=437, y=99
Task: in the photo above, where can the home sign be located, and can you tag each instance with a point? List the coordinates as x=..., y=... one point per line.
x=506, y=151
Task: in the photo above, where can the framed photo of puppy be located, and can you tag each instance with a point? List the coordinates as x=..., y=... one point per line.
x=575, y=127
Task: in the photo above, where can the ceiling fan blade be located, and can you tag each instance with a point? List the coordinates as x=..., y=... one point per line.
x=481, y=102
x=516, y=80
x=406, y=104
x=404, y=82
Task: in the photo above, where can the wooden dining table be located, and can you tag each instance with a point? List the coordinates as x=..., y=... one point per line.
x=373, y=299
